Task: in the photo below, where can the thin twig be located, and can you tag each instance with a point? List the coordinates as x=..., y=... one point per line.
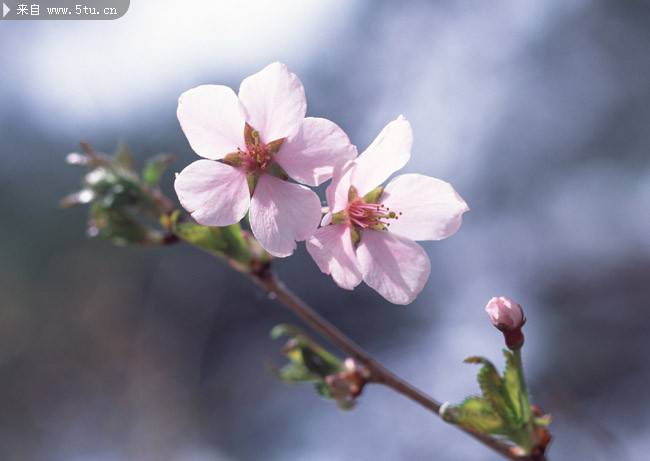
x=378, y=373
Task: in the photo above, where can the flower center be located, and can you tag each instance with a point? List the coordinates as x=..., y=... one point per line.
x=365, y=215
x=255, y=157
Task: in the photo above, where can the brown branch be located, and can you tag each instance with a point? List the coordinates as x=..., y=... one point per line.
x=378, y=373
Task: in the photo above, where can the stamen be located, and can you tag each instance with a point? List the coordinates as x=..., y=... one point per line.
x=257, y=155
x=365, y=215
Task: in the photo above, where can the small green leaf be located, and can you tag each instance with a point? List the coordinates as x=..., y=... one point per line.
x=319, y=361
x=503, y=409
x=117, y=227
x=155, y=168
x=307, y=352
x=294, y=372
x=513, y=388
x=206, y=238
x=284, y=329
x=237, y=247
x=225, y=241
x=491, y=386
x=477, y=413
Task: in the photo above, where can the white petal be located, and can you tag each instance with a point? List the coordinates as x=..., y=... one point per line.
x=396, y=267
x=282, y=213
x=310, y=155
x=430, y=208
x=214, y=193
x=332, y=250
x=327, y=219
x=274, y=102
x=389, y=152
x=337, y=191
x=211, y=119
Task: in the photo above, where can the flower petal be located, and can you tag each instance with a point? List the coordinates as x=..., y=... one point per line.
x=310, y=155
x=214, y=193
x=282, y=213
x=396, y=267
x=430, y=208
x=274, y=102
x=212, y=121
x=389, y=152
x=337, y=191
x=332, y=250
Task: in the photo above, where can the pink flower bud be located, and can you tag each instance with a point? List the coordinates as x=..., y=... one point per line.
x=507, y=316
x=504, y=313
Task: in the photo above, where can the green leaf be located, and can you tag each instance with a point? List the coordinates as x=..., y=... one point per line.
x=503, y=409
x=284, y=329
x=478, y=414
x=307, y=352
x=155, y=168
x=294, y=372
x=491, y=386
x=118, y=227
x=319, y=361
x=236, y=244
x=513, y=388
x=225, y=241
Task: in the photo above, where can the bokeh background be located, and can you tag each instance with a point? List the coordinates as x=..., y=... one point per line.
x=538, y=113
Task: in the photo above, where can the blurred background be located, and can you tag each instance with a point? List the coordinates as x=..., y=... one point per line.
x=537, y=112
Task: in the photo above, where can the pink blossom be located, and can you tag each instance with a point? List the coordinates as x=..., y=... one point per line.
x=251, y=144
x=369, y=233
x=505, y=314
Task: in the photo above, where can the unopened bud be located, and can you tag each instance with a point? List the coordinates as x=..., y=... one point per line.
x=508, y=317
x=347, y=385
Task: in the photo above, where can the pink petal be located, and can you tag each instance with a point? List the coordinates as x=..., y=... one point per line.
x=211, y=119
x=337, y=191
x=310, y=155
x=396, y=267
x=214, y=193
x=431, y=209
x=389, y=152
x=332, y=250
x=282, y=213
x=274, y=102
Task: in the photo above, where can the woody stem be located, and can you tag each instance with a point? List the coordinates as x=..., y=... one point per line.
x=378, y=372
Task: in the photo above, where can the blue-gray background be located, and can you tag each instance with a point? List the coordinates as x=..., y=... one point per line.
x=538, y=113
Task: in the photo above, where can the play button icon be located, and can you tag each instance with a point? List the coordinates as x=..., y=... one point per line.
x=5, y=10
